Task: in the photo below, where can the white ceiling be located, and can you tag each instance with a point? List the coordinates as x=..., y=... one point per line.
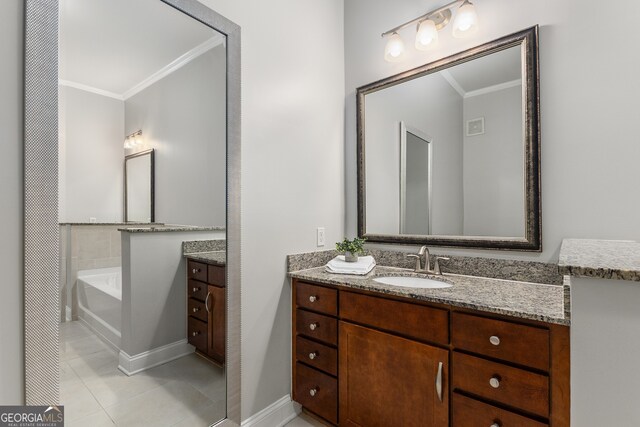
x=491, y=70
x=113, y=45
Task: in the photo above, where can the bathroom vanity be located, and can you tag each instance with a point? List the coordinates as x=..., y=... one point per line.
x=206, y=311
x=483, y=352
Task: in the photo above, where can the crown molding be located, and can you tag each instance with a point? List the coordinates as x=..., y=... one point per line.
x=494, y=88
x=173, y=66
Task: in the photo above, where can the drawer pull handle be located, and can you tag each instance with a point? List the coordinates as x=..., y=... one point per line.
x=494, y=382
x=313, y=326
x=195, y=334
x=195, y=290
x=439, y=381
x=494, y=340
x=313, y=355
x=195, y=271
x=496, y=424
x=313, y=298
x=195, y=309
x=313, y=391
x=206, y=302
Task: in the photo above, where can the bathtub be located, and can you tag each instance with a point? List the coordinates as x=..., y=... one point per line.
x=99, y=294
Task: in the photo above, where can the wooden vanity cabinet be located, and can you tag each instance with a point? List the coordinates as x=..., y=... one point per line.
x=367, y=359
x=206, y=309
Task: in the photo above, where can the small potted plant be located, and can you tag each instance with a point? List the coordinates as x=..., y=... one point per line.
x=351, y=248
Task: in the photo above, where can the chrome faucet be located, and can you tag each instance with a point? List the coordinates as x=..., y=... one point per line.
x=424, y=252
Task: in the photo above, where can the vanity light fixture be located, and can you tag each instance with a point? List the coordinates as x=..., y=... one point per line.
x=465, y=23
x=133, y=140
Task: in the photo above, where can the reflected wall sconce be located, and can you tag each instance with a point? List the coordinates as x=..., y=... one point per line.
x=133, y=140
x=465, y=23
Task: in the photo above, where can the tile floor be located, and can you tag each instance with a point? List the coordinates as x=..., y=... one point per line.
x=304, y=420
x=189, y=391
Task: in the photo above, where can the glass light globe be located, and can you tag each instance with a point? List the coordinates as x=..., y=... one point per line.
x=466, y=21
x=427, y=35
x=394, y=49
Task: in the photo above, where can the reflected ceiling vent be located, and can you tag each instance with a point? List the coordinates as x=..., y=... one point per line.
x=475, y=127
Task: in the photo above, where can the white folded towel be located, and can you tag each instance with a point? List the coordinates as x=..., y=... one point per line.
x=361, y=267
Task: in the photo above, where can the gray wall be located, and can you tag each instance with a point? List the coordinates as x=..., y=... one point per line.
x=589, y=149
x=292, y=168
x=183, y=116
x=11, y=212
x=432, y=106
x=91, y=156
x=494, y=166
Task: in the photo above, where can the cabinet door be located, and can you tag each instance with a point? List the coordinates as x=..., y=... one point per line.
x=217, y=324
x=386, y=380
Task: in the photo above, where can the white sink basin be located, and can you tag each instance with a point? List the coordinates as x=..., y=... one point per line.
x=413, y=282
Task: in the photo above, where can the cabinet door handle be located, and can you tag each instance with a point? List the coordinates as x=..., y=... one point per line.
x=313, y=326
x=495, y=340
x=313, y=355
x=313, y=391
x=195, y=290
x=195, y=309
x=494, y=382
x=496, y=424
x=439, y=381
x=195, y=334
x=195, y=270
x=206, y=302
x=313, y=298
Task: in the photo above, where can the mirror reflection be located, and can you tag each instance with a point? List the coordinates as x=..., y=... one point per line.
x=142, y=175
x=138, y=187
x=445, y=152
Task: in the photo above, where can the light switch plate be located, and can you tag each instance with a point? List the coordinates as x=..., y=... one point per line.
x=320, y=236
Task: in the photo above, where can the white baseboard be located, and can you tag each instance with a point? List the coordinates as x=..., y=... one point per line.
x=277, y=414
x=131, y=365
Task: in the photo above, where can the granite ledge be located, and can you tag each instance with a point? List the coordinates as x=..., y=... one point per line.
x=168, y=229
x=216, y=258
x=122, y=224
x=604, y=259
x=545, y=303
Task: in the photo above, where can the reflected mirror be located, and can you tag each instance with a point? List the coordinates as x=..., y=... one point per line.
x=138, y=187
x=142, y=86
x=448, y=152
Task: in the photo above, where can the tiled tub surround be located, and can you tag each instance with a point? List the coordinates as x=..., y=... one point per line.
x=604, y=259
x=525, y=271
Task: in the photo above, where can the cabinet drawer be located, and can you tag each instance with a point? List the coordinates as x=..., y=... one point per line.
x=197, y=334
x=469, y=412
x=197, y=270
x=412, y=320
x=317, y=392
x=216, y=275
x=511, y=386
x=317, y=298
x=317, y=355
x=197, y=309
x=524, y=345
x=197, y=290
x=317, y=326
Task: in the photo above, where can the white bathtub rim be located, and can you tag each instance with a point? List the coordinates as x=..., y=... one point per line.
x=84, y=276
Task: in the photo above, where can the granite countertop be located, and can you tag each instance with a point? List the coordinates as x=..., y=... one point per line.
x=216, y=257
x=148, y=224
x=547, y=303
x=169, y=228
x=605, y=259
